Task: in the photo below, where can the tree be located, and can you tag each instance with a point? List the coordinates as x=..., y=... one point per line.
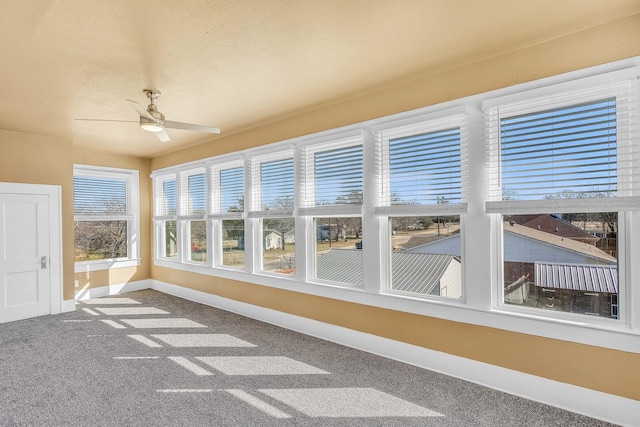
x=353, y=198
x=404, y=223
x=426, y=222
x=102, y=239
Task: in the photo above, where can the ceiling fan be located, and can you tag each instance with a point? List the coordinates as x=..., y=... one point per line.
x=153, y=120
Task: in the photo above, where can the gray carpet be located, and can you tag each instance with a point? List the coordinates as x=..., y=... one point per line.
x=150, y=359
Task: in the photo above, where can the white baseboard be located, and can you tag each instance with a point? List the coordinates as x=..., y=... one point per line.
x=603, y=406
x=68, y=305
x=120, y=288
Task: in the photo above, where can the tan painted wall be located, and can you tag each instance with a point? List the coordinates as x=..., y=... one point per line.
x=87, y=280
x=37, y=159
x=617, y=371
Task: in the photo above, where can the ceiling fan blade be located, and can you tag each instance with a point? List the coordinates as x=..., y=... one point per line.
x=188, y=126
x=108, y=120
x=162, y=136
x=140, y=109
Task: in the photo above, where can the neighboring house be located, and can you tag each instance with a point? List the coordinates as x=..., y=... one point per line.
x=271, y=240
x=325, y=232
x=553, y=225
x=427, y=274
x=527, y=245
x=527, y=249
x=588, y=289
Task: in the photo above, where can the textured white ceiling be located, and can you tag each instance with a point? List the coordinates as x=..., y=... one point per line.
x=235, y=64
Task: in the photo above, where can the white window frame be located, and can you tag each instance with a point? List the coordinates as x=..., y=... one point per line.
x=307, y=206
x=255, y=213
x=159, y=218
x=185, y=217
x=384, y=133
x=216, y=216
x=132, y=217
x=626, y=204
x=480, y=238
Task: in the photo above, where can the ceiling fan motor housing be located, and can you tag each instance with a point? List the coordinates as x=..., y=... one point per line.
x=157, y=123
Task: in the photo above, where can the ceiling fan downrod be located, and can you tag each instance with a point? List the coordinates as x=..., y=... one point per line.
x=156, y=123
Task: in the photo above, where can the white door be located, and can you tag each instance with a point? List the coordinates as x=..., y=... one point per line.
x=24, y=256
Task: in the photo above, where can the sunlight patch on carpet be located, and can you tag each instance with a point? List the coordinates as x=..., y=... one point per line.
x=130, y=311
x=260, y=365
x=347, y=402
x=162, y=323
x=201, y=340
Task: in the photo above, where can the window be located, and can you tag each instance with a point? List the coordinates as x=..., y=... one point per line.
x=105, y=217
x=165, y=217
x=517, y=207
x=421, y=171
x=333, y=197
x=192, y=193
x=426, y=255
x=562, y=181
x=227, y=213
x=338, y=250
x=333, y=176
x=278, y=245
x=273, y=180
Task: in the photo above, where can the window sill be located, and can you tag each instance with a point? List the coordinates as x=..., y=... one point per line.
x=107, y=264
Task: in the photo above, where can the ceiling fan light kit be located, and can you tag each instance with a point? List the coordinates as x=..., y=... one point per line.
x=155, y=123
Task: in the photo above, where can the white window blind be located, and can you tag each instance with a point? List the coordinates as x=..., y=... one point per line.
x=192, y=193
x=569, y=149
x=333, y=175
x=105, y=202
x=232, y=190
x=98, y=197
x=273, y=184
x=226, y=190
x=165, y=198
x=422, y=167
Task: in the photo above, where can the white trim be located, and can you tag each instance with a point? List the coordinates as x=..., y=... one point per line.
x=547, y=89
x=481, y=237
x=591, y=403
x=418, y=210
x=132, y=217
x=68, y=305
x=563, y=205
x=114, y=289
x=107, y=264
x=333, y=210
x=54, y=194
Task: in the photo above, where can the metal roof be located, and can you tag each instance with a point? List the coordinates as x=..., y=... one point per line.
x=341, y=265
x=577, y=277
x=419, y=273
x=416, y=273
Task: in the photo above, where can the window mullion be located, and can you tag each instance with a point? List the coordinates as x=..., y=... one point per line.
x=375, y=256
